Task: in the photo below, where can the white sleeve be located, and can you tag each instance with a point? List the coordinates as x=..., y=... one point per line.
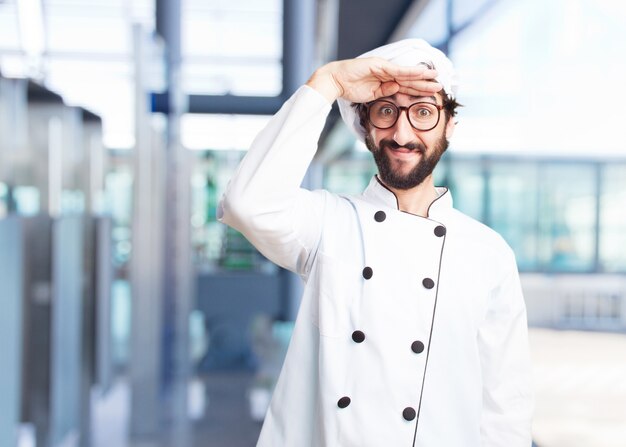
x=506, y=369
x=264, y=200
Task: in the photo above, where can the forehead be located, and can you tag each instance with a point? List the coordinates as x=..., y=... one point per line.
x=403, y=98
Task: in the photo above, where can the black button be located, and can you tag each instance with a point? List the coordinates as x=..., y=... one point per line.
x=380, y=216
x=408, y=414
x=428, y=283
x=440, y=230
x=343, y=402
x=367, y=272
x=417, y=346
x=358, y=336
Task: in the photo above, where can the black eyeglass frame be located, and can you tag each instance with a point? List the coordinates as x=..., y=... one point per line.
x=405, y=109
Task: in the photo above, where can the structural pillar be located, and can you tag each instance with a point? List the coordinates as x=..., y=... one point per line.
x=299, y=53
x=177, y=270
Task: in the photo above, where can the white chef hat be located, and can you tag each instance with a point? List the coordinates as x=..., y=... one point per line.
x=407, y=52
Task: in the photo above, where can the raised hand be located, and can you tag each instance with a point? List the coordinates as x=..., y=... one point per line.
x=366, y=79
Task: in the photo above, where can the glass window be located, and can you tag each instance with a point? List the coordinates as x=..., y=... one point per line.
x=441, y=171
x=567, y=217
x=512, y=208
x=4, y=199
x=350, y=175
x=119, y=197
x=243, y=77
x=88, y=56
x=27, y=200
x=220, y=132
x=466, y=181
x=613, y=219
x=218, y=57
x=9, y=31
x=546, y=211
x=214, y=244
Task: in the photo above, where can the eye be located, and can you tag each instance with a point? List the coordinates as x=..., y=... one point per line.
x=424, y=112
x=383, y=114
x=385, y=111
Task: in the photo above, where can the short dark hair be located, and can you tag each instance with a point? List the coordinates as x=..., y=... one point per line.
x=450, y=106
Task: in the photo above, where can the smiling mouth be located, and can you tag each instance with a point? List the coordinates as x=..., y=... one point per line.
x=405, y=150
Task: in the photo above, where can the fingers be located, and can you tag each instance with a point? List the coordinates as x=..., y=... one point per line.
x=389, y=88
x=365, y=79
x=419, y=88
x=403, y=72
x=413, y=80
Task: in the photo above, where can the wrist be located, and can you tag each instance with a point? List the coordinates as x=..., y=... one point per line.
x=323, y=80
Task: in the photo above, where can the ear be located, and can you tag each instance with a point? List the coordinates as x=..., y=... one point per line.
x=450, y=126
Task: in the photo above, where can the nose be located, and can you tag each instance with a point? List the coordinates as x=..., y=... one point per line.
x=403, y=131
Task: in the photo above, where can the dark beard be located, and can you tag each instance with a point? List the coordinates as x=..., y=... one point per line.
x=394, y=179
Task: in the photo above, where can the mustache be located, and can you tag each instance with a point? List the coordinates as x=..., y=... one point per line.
x=391, y=144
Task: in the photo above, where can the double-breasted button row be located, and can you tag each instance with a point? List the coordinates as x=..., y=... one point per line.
x=439, y=230
x=408, y=413
x=359, y=337
x=368, y=272
x=417, y=346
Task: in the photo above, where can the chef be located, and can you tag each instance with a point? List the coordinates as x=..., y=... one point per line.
x=412, y=327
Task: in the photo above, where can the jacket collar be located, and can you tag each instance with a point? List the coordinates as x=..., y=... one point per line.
x=378, y=194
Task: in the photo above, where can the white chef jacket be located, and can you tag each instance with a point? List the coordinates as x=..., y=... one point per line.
x=411, y=331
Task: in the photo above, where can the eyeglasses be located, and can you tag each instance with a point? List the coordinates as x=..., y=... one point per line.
x=422, y=116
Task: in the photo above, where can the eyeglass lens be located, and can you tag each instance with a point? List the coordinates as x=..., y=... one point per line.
x=422, y=115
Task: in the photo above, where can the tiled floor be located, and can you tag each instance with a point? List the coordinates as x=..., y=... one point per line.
x=227, y=421
x=580, y=388
x=580, y=392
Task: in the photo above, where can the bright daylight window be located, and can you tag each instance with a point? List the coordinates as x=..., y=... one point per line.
x=232, y=47
x=87, y=56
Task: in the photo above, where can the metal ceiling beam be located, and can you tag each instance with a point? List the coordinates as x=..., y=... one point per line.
x=39, y=93
x=245, y=105
x=248, y=105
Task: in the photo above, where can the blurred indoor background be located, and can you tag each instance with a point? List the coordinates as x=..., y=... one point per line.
x=131, y=317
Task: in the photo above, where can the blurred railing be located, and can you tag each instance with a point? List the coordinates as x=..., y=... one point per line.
x=584, y=302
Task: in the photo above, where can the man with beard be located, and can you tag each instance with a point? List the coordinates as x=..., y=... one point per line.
x=412, y=326
x=423, y=115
